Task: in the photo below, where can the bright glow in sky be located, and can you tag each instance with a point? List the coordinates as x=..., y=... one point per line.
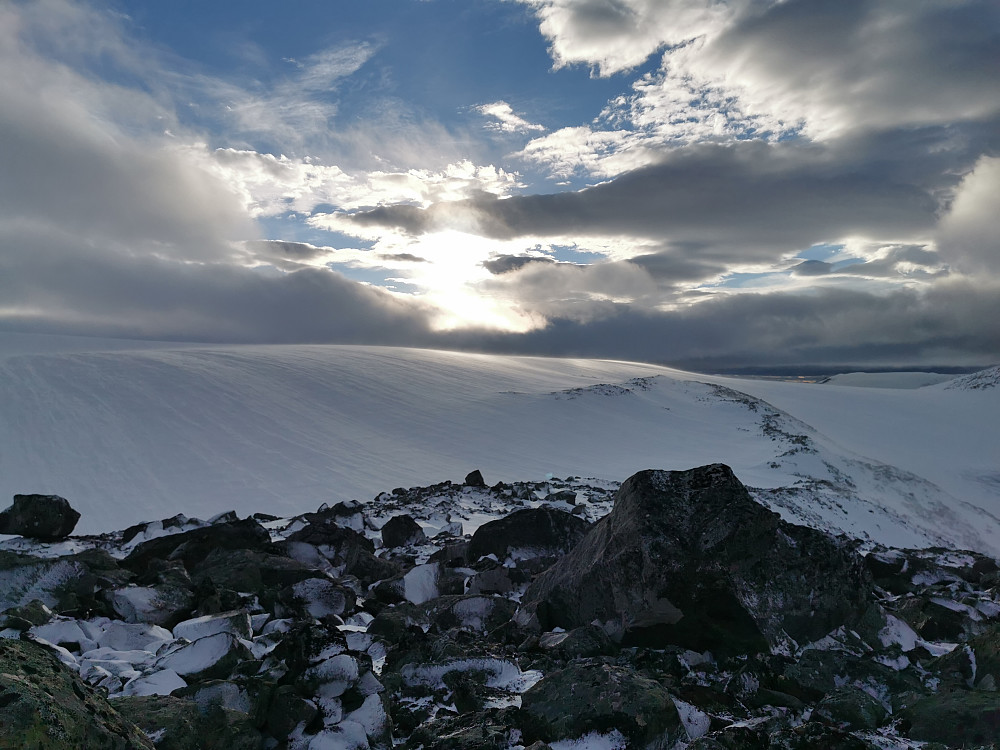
x=741, y=181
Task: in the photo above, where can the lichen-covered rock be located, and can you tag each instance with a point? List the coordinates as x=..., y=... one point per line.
x=44, y=705
x=594, y=696
x=179, y=724
x=44, y=517
x=960, y=718
x=689, y=558
x=532, y=532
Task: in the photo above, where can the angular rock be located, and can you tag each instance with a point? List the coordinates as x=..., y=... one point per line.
x=235, y=623
x=213, y=657
x=44, y=705
x=532, y=532
x=689, y=558
x=474, y=479
x=44, y=517
x=157, y=605
x=401, y=531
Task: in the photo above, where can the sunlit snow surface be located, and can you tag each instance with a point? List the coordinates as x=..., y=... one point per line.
x=129, y=435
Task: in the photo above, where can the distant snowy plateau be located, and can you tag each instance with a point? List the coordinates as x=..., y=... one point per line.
x=133, y=431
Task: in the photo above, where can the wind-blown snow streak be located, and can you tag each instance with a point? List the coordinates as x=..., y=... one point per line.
x=130, y=435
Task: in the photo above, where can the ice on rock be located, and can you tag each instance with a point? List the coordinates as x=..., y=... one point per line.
x=236, y=623
x=163, y=682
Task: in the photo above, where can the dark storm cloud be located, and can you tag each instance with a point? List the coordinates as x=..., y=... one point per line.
x=51, y=285
x=948, y=323
x=748, y=200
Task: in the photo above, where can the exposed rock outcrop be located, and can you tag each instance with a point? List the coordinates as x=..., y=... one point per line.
x=689, y=558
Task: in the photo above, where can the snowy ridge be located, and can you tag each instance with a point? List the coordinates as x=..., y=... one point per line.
x=132, y=435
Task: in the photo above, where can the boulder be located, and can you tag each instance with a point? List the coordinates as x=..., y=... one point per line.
x=191, y=547
x=532, y=532
x=596, y=697
x=46, y=706
x=474, y=479
x=960, y=718
x=689, y=558
x=45, y=517
x=401, y=531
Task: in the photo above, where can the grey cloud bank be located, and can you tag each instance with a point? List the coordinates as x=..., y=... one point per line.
x=115, y=219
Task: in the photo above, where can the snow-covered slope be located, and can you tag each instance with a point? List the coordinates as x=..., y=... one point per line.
x=130, y=435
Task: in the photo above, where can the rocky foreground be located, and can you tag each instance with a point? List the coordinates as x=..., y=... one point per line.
x=687, y=616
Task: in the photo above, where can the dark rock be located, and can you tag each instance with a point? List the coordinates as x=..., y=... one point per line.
x=485, y=730
x=453, y=554
x=851, y=709
x=32, y=613
x=288, y=709
x=689, y=558
x=813, y=735
x=45, y=517
x=961, y=718
x=191, y=547
x=44, y=705
x=597, y=697
x=402, y=531
x=338, y=540
x=470, y=612
x=69, y=584
x=532, y=532
x=562, y=496
x=474, y=479
x=581, y=642
x=179, y=724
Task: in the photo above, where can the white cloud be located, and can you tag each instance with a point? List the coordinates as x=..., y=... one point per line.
x=969, y=234
x=507, y=120
x=832, y=67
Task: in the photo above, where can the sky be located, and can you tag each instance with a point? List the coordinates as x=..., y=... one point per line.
x=708, y=183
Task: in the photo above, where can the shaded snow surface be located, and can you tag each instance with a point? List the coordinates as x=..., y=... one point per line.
x=130, y=435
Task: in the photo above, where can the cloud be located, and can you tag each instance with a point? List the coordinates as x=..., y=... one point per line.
x=969, y=234
x=507, y=121
x=949, y=323
x=273, y=185
x=507, y=263
x=749, y=201
x=829, y=64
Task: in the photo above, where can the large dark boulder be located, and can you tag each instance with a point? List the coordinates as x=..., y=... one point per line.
x=689, y=558
x=532, y=532
x=402, y=530
x=44, y=705
x=191, y=547
x=45, y=517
